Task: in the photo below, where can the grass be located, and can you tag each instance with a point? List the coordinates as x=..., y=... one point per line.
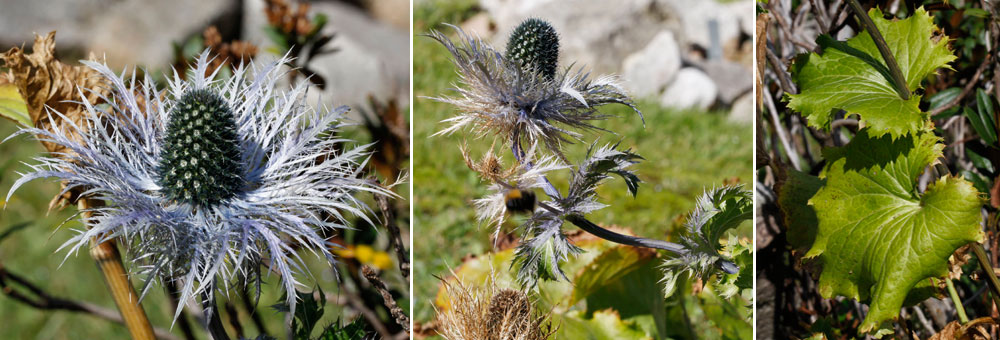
x=686, y=152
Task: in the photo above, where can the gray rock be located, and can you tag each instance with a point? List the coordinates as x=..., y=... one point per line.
x=595, y=34
x=691, y=88
x=480, y=25
x=742, y=110
x=647, y=72
x=732, y=79
x=373, y=57
x=132, y=32
x=698, y=15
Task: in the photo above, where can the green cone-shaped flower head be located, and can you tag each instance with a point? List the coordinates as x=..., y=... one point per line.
x=535, y=45
x=201, y=159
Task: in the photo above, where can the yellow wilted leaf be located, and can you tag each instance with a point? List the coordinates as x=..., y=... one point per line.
x=12, y=105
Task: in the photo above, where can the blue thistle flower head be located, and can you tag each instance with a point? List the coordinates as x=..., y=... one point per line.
x=521, y=95
x=213, y=178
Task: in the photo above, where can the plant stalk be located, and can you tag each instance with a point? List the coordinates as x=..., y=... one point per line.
x=984, y=264
x=109, y=261
x=213, y=317
x=897, y=74
x=606, y=234
x=957, y=301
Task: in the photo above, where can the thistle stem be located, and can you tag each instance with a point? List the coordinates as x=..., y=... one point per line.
x=214, y=322
x=984, y=264
x=957, y=301
x=897, y=74
x=109, y=261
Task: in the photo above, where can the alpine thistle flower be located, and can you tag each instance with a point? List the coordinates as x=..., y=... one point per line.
x=522, y=96
x=212, y=179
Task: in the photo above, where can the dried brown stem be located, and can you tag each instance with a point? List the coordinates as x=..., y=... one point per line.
x=109, y=260
x=390, y=303
x=965, y=90
x=397, y=238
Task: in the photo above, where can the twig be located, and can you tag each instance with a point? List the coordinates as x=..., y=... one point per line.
x=109, y=260
x=965, y=90
x=782, y=135
x=373, y=319
x=390, y=303
x=44, y=301
x=397, y=237
x=988, y=269
x=897, y=75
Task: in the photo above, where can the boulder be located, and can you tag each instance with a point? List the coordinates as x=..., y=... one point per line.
x=648, y=71
x=732, y=79
x=742, y=110
x=691, y=88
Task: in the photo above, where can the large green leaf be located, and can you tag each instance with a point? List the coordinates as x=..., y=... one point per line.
x=852, y=76
x=878, y=238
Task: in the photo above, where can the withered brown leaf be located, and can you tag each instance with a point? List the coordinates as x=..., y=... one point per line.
x=44, y=82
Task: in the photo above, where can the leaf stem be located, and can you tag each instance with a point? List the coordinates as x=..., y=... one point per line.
x=984, y=264
x=596, y=230
x=897, y=74
x=957, y=301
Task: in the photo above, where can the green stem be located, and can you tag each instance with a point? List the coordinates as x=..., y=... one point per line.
x=984, y=263
x=958, y=301
x=897, y=74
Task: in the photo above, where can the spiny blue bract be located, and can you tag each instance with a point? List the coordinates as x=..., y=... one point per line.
x=201, y=159
x=535, y=45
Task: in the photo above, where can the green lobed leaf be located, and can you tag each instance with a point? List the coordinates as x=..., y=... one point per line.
x=878, y=238
x=852, y=76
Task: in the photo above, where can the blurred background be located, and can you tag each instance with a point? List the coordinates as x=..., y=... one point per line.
x=353, y=53
x=688, y=66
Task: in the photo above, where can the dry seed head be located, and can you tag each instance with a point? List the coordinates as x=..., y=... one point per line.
x=491, y=313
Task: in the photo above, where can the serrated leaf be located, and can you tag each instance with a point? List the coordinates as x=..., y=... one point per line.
x=877, y=236
x=353, y=330
x=13, y=106
x=852, y=76
x=717, y=211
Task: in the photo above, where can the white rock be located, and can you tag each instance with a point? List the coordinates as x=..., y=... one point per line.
x=742, y=110
x=691, y=88
x=647, y=72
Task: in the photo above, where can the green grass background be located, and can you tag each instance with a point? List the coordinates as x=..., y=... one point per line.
x=686, y=152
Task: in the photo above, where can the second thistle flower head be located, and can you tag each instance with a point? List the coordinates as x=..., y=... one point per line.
x=522, y=95
x=211, y=180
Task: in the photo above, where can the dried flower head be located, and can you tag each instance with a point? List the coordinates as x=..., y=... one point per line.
x=211, y=180
x=521, y=96
x=491, y=313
